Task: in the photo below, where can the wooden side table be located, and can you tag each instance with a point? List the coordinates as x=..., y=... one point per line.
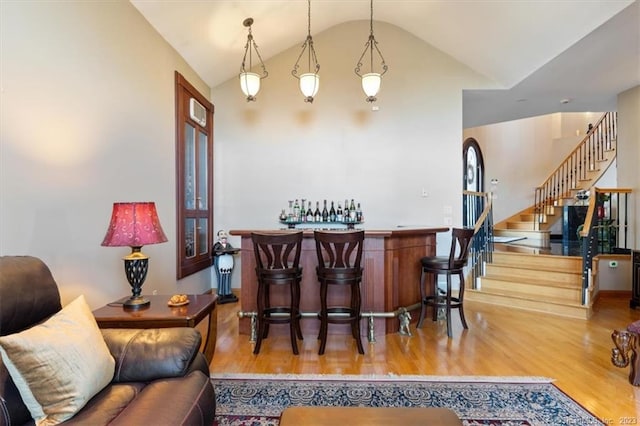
x=160, y=315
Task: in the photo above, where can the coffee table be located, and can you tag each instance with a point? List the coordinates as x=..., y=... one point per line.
x=160, y=315
x=368, y=416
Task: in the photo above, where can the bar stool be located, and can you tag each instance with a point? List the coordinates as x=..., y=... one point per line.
x=277, y=264
x=339, y=256
x=452, y=264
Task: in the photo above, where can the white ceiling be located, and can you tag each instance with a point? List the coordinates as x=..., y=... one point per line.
x=539, y=52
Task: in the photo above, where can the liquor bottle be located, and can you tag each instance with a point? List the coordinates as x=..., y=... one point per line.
x=332, y=213
x=317, y=217
x=359, y=216
x=303, y=213
x=296, y=211
x=339, y=213
x=345, y=215
x=325, y=212
x=352, y=211
x=309, y=213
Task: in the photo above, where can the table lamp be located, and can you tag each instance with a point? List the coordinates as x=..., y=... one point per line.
x=134, y=225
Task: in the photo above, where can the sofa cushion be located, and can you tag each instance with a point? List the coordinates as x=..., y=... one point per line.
x=60, y=364
x=188, y=400
x=108, y=404
x=149, y=354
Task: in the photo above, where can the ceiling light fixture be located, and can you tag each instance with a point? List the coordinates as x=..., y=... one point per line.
x=250, y=81
x=310, y=80
x=371, y=81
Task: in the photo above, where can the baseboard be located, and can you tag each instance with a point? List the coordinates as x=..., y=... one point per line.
x=235, y=291
x=614, y=294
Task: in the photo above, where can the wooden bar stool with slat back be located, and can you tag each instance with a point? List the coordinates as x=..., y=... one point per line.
x=277, y=264
x=448, y=265
x=339, y=257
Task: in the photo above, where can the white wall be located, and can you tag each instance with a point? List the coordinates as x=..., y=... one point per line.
x=87, y=118
x=618, y=278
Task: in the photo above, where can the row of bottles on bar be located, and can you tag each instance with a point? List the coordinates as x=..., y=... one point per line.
x=352, y=212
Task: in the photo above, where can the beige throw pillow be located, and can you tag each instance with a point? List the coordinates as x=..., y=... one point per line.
x=60, y=364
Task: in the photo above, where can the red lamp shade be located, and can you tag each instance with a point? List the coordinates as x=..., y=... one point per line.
x=134, y=225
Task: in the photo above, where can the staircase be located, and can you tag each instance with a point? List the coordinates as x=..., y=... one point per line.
x=521, y=275
x=535, y=282
x=580, y=170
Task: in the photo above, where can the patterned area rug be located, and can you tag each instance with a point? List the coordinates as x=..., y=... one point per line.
x=258, y=400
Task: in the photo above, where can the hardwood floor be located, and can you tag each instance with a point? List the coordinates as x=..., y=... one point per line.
x=500, y=342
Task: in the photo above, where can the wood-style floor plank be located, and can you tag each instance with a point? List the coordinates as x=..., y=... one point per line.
x=500, y=341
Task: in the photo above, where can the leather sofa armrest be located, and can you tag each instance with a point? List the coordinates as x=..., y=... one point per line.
x=149, y=354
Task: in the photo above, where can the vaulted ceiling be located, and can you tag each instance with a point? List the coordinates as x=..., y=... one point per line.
x=544, y=56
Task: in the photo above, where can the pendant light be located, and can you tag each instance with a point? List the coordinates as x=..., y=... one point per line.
x=250, y=81
x=310, y=80
x=371, y=81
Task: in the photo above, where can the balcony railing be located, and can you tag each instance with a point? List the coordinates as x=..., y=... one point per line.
x=606, y=229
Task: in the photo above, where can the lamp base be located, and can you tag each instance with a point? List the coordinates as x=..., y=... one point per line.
x=136, y=265
x=136, y=302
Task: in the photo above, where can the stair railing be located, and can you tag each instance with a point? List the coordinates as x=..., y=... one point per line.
x=605, y=229
x=479, y=215
x=575, y=169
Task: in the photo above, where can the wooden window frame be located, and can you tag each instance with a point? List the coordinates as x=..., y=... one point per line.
x=185, y=265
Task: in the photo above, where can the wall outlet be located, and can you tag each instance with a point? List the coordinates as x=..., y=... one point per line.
x=154, y=292
x=425, y=193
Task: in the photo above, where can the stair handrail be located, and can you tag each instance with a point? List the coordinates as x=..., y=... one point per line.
x=479, y=208
x=574, y=168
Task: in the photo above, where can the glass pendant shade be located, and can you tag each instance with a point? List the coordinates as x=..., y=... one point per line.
x=371, y=84
x=250, y=84
x=309, y=84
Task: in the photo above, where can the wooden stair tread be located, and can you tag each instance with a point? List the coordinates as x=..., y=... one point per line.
x=532, y=281
x=526, y=296
x=541, y=261
x=560, y=268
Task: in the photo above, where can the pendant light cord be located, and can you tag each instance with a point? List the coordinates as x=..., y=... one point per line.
x=309, y=18
x=309, y=34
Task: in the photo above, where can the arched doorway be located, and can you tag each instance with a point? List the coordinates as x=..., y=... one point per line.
x=472, y=180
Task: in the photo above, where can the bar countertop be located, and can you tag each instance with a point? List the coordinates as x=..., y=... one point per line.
x=395, y=232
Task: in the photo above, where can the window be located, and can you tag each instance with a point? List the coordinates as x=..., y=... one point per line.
x=194, y=178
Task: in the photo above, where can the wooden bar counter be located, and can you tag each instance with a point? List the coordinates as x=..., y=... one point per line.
x=391, y=262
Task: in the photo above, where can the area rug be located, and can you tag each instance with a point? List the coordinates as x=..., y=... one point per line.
x=258, y=400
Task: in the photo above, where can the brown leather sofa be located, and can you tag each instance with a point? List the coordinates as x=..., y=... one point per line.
x=160, y=377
